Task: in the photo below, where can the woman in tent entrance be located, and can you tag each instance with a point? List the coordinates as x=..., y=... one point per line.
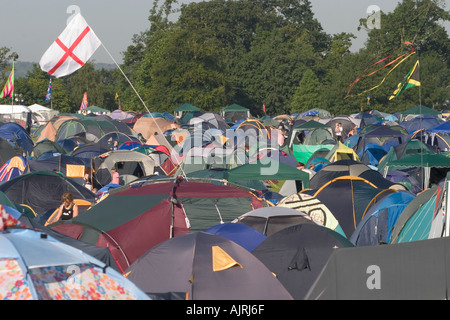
x=68, y=209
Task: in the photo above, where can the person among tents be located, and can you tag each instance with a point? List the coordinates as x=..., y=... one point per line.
x=338, y=131
x=68, y=208
x=115, y=176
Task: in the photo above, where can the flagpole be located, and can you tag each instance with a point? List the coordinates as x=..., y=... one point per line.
x=12, y=93
x=143, y=103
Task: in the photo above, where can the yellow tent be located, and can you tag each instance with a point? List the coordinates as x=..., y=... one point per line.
x=341, y=152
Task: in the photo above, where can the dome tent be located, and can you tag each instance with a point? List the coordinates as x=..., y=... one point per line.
x=42, y=190
x=203, y=266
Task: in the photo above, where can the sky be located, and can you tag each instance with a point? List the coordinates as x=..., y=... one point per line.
x=29, y=27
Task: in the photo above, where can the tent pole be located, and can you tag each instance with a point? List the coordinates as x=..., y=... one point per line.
x=447, y=226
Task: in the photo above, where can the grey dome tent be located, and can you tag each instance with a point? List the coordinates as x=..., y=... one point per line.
x=203, y=266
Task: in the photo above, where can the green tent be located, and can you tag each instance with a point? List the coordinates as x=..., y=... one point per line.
x=273, y=170
x=399, y=151
x=420, y=110
x=235, y=112
x=424, y=160
x=95, y=109
x=311, y=124
x=415, y=221
x=303, y=152
x=185, y=109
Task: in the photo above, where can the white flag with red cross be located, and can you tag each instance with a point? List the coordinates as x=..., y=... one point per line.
x=71, y=50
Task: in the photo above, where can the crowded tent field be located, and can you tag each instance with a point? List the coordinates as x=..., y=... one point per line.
x=265, y=211
x=255, y=161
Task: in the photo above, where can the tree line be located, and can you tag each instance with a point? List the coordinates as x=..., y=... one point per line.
x=271, y=52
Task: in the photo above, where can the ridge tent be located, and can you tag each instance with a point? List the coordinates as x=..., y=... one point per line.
x=379, y=220
x=203, y=266
x=297, y=255
x=131, y=220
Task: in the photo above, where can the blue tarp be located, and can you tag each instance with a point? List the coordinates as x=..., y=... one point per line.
x=243, y=235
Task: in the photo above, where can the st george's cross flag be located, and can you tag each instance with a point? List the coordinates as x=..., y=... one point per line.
x=71, y=50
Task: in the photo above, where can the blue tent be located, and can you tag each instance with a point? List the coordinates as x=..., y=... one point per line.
x=377, y=224
x=15, y=133
x=88, y=151
x=243, y=235
x=443, y=127
x=47, y=269
x=372, y=154
x=58, y=163
x=424, y=121
x=415, y=222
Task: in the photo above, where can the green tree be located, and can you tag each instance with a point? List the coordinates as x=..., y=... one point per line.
x=308, y=94
x=420, y=23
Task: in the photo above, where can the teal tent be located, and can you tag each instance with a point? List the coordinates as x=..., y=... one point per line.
x=420, y=110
